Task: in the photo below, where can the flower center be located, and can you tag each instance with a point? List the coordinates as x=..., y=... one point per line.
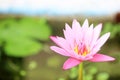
x=82, y=50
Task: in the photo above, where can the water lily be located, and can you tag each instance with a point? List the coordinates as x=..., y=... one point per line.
x=81, y=43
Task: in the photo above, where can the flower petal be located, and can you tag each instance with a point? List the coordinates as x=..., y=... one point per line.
x=54, y=39
x=61, y=42
x=85, y=24
x=88, y=35
x=97, y=31
x=85, y=28
x=77, y=33
x=96, y=34
x=70, y=62
x=75, y=25
x=68, y=33
x=59, y=50
x=101, y=58
x=100, y=42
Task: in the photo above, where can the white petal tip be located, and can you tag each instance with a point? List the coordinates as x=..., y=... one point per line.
x=74, y=20
x=86, y=21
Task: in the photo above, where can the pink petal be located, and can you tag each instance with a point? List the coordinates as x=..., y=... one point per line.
x=67, y=27
x=96, y=34
x=101, y=58
x=97, y=31
x=70, y=62
x=85, y=24
x=68, y=31
x=84, y=30
x=88, y=57
x=88, y=35
x=76, y=31
x=59, y=50
x=54, y=39
x=61, y=42
x=100, y=42
x=75, y=25
x=69, y=36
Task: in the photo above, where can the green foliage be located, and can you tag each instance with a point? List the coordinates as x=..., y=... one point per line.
x=73, y=73
x=61, y=79
x=32, y=65
x=53, y=62
x=90, y=73
x=103, y=76
x=22, y=37
x=92, y=70
x=114, y=29
x=23, y=73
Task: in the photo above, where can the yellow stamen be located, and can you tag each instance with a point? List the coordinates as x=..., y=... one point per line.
x=76, y=49
x=82, y=51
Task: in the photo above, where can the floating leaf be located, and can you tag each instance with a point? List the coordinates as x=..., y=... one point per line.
x=23, y=48
x=21, y=37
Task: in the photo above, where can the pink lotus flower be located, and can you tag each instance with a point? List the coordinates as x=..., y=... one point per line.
x=81, y=43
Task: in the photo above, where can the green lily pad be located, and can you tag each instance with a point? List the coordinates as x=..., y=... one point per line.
x=22, y=48
x=21, y=37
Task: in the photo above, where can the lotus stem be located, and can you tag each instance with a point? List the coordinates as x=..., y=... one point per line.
x=80, y=72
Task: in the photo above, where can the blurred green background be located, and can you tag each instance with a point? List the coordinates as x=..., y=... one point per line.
x=25, y=53
x=25, y=27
